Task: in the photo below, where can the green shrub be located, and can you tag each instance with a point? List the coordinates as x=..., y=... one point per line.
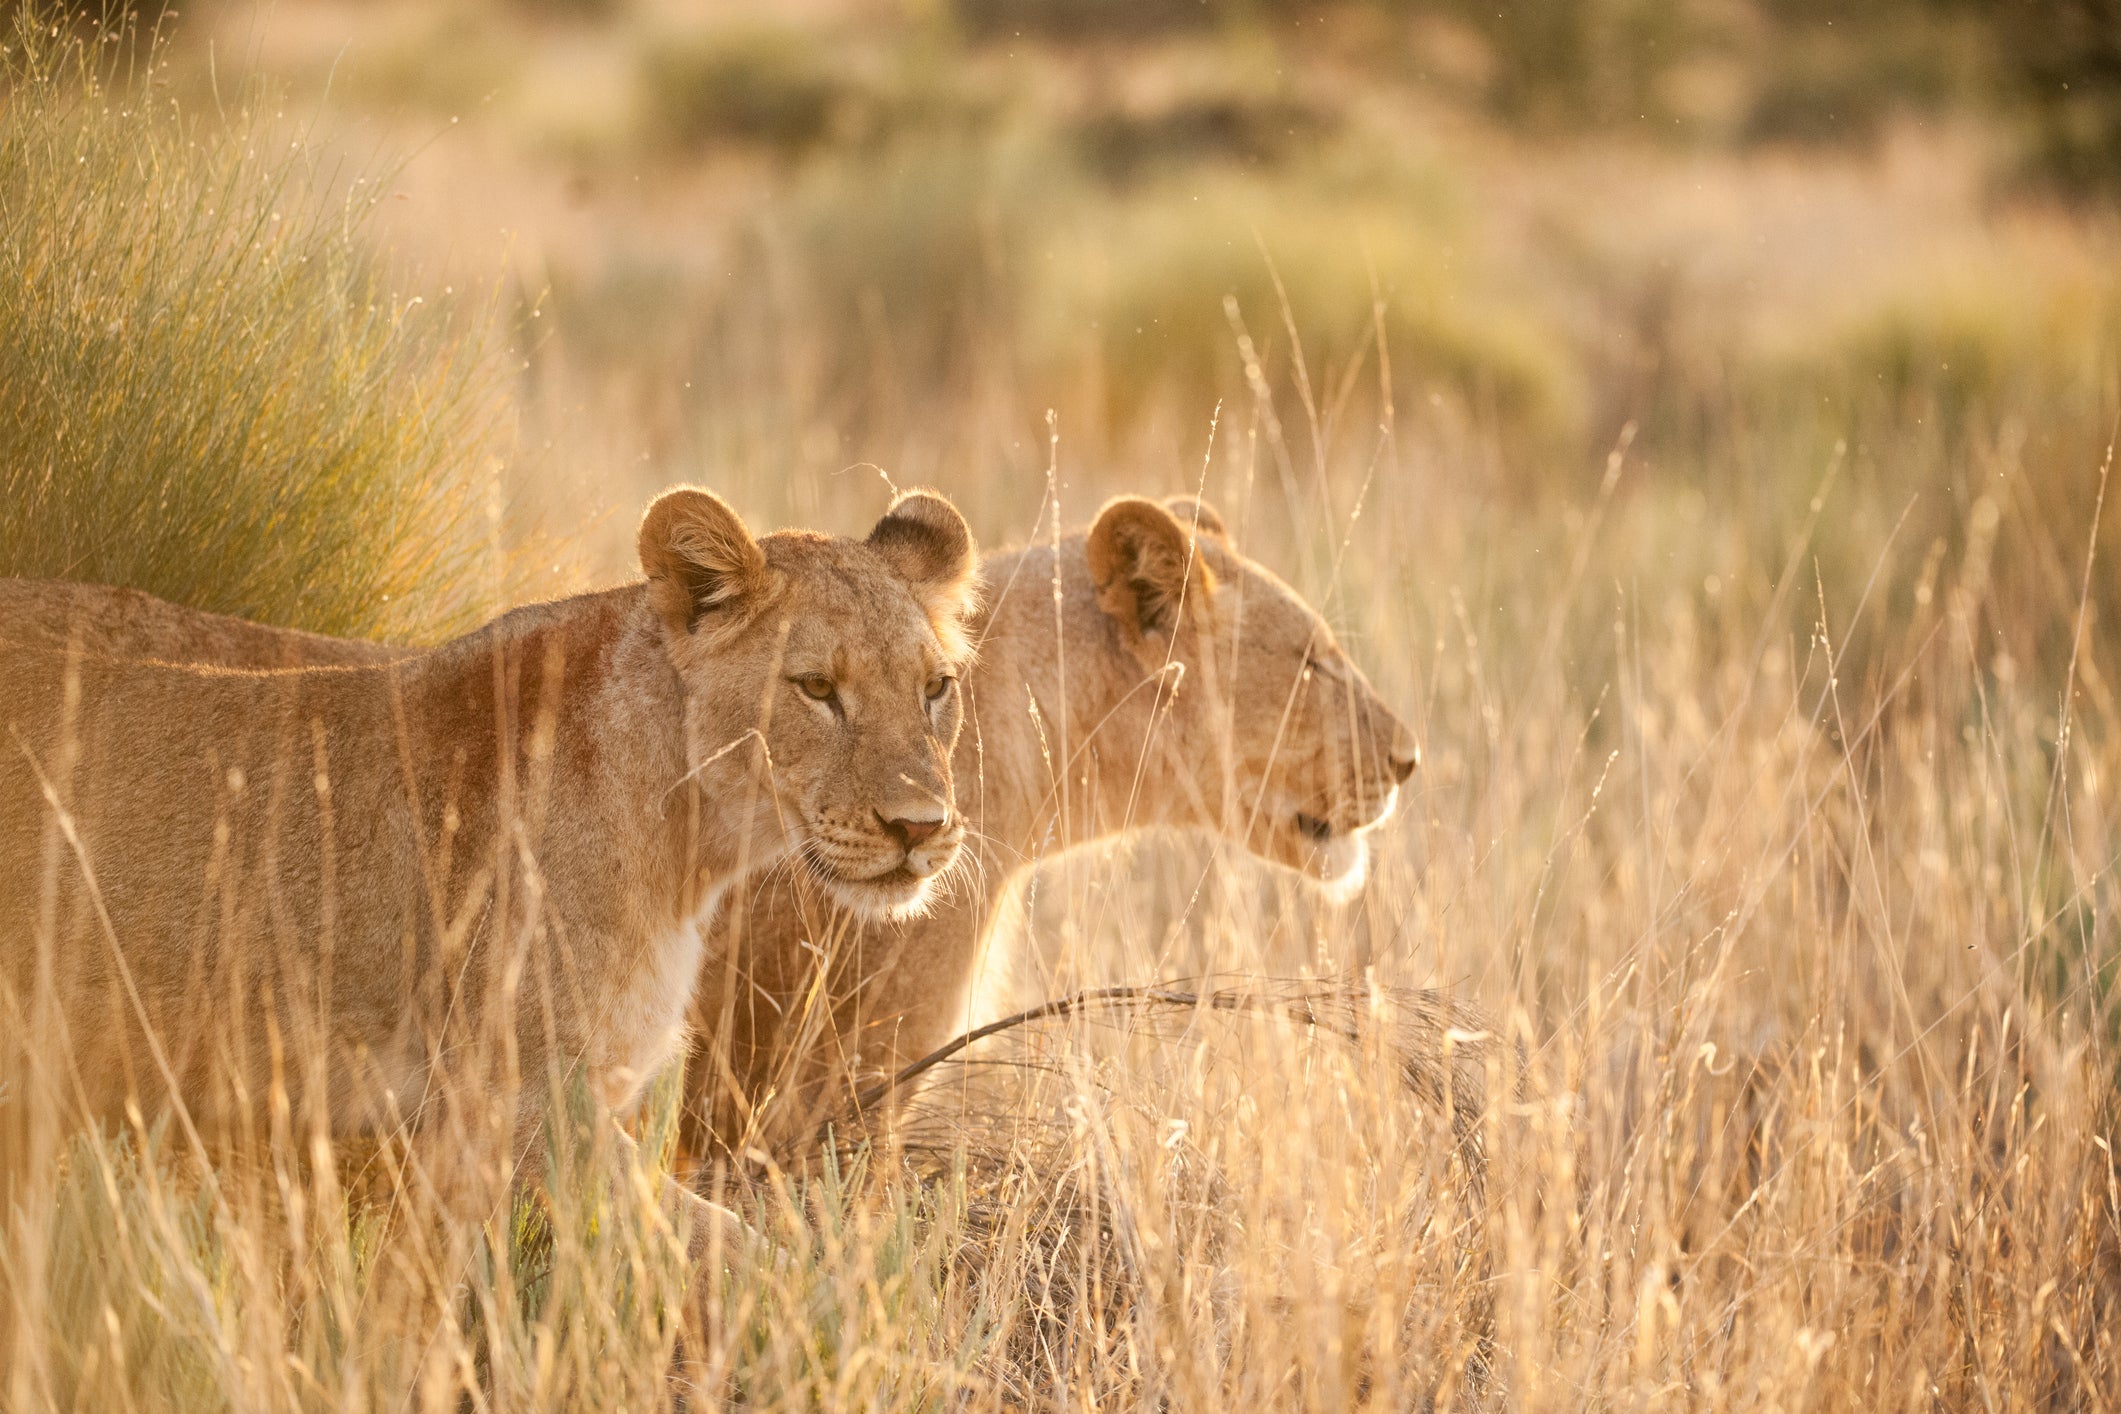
x=1081, y=19
x=1229, y=124
x=2065, y=57
x=450, y=63
x=1563, y=63
x=1835, y=83
x=911, y=256
x=1959, y=343
x=752, y=84
x=1123, y=19
x=1818, y=97
x=939, y=258
x=206, y=391
x=1155, y=312
x=573, y=11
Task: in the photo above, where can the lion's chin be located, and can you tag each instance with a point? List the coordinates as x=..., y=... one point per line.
x=1340, y=865
x=1335, y=861
x=895, y=894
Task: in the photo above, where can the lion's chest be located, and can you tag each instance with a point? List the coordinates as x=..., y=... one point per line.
x=644, y=1023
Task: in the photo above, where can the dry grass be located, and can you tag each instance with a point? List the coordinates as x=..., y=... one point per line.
x=1731, y=1017
x=1804, y=973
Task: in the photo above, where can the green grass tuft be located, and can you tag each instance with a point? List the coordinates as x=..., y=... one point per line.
x=206, y=390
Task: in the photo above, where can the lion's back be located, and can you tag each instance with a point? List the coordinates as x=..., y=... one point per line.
x=113, y=622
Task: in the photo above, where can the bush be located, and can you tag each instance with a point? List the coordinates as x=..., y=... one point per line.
x=206, y=392
x=919, y=252
x=1092, y=20
x=1237, y=125
x=2065, y=55
x=1818, y=99
x=450, y=64
x=573, y=11
x=1157, y=318
x=1836, y=83
x=1562, y=63
x=764, y=86
x=1083, y=19
x=1953, y=345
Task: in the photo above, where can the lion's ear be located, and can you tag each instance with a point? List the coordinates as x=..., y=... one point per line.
x=927, y=544
x=1144, y=565
x=698, y=557
x=1197, y=515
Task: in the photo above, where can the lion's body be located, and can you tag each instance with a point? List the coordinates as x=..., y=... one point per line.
x=317, y=852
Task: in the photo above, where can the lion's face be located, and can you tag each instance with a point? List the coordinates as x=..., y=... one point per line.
x=1317, y=756
x=842, y=658
x=1291, y=748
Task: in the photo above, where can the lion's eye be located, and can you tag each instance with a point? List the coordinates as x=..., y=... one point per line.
x=938, y=685
x=815, y=686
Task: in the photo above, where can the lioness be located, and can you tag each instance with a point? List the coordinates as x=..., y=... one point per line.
x=325, y=883
x=1177, y=683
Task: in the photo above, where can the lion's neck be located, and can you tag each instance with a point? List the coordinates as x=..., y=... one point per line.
x=571, y=719
x=1058, y=749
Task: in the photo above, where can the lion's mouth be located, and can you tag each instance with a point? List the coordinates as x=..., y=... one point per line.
x=895, y=891
x=901, y=876
x=1336, y=858
x=1369, y=811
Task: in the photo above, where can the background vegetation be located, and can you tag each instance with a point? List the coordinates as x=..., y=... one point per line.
x=207, y=390
x=1695, y=413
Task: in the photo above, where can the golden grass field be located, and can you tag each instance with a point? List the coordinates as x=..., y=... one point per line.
x=1730, y=1017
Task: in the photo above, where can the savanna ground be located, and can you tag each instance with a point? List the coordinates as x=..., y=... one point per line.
x=1694, y=415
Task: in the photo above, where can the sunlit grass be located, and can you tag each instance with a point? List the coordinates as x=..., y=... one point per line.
x=1793, y=1081
x=208, y=389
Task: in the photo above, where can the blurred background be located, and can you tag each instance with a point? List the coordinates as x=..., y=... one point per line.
x=813, y=234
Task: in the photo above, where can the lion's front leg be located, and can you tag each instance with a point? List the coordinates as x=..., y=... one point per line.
x=709, y=1232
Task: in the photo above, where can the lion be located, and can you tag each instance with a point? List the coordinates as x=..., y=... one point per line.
x=239, y=885
x=1176, y=684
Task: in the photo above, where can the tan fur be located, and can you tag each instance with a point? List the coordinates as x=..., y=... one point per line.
x=110, y=622
x=1178, y=694
x=229, y=886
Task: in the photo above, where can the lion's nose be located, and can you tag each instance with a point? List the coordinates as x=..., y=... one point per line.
x=1405, y=757
x=909, y=833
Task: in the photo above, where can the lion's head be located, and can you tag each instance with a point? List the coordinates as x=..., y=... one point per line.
x=1282, y=741
x=841, y=657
